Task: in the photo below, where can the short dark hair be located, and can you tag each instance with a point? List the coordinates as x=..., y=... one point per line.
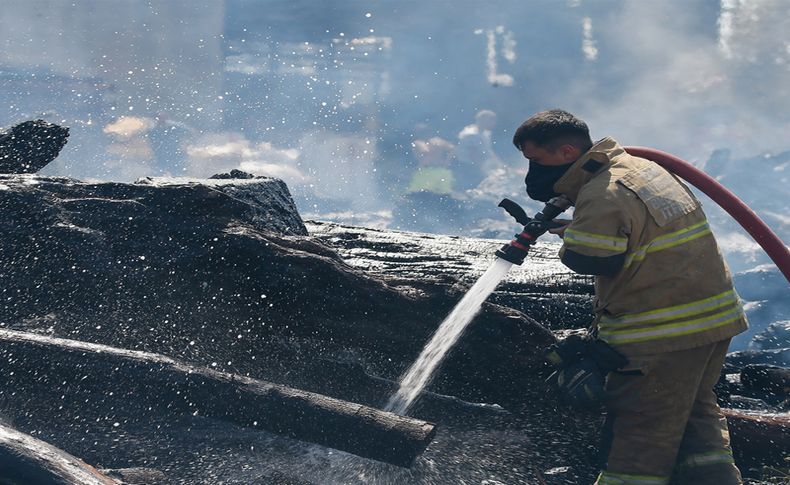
x=553, y=128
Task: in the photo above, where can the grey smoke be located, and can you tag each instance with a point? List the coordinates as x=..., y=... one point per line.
x=342, y=84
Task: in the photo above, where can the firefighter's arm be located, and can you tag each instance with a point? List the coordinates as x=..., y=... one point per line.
x=596, y=241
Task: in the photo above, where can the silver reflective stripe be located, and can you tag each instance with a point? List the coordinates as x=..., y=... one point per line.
x=711, y=458
x=669, y=313
x=609, y=478
x=670, y=240
x=599, y=241
x=673, y=330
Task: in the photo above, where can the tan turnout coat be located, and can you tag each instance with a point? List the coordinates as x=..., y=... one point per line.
x=674, y=291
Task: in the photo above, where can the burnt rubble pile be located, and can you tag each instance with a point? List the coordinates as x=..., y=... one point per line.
x=221, y=279
x=221, y=273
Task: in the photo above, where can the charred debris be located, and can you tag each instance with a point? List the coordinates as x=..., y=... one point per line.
x=130, y=311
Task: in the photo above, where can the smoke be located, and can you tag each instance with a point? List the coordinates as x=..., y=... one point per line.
x=127, y=127
x=588, y=42
x=710, y=76
x=508, y=45
x=330, y=168
x=692, y=93
x=755, y=31
x=327, y=96
x=495, y=77
x=728, y=9
x=247, y=64
x=341, y=168
x=222, y=152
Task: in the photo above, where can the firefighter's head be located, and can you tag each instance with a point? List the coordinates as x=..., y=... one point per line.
x=551, y=140
x=553, y=137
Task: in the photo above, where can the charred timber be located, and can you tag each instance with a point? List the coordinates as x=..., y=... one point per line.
x=759, y=438
x=30, y=146
x=767, y=378
x=25, y=459
x=81, y=369
x=737, y=360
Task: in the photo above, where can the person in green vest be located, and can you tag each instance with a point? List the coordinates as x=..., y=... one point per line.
x=433, y=173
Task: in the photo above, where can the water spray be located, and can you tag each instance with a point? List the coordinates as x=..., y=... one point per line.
x=422, y=370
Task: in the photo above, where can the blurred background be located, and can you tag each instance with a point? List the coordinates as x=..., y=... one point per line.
x=399, y=114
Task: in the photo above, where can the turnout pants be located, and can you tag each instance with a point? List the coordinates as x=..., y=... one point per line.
x=663, y=424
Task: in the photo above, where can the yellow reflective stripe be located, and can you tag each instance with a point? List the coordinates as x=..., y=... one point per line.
x=673, y=330
x=690, y=236
x=678, y=311
x=611, y=243
x=710, y=458
x=680, y=232
x=609, y=478
x=670, y=240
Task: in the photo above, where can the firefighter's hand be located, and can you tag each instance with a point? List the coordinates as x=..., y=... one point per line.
x=560, y=231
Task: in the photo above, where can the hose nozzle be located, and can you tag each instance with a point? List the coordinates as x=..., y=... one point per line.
x=516, y=250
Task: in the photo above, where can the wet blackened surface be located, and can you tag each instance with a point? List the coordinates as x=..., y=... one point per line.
x=222, y=274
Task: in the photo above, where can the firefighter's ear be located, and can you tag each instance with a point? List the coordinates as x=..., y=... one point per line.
x=569, y=153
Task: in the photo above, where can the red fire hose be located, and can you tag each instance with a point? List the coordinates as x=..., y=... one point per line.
x=759, y=231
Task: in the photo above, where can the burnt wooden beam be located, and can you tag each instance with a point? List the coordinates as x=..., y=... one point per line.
x=25, y=459
x=769, y=379
x=104, y=373
x=30, y=146
x=759, y=438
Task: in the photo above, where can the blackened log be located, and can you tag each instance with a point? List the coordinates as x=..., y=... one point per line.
x=78, y=369
x=768, y=379
x=737, y=360
x=30, y=146
x=136, y=475
x=759, y=438
x=25, y=459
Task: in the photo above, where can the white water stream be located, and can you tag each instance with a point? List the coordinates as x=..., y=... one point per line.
x=421, y=371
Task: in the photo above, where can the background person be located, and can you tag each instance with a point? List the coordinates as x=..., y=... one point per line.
x=475, y=156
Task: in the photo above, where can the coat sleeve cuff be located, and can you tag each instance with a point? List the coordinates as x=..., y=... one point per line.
x=592, y=265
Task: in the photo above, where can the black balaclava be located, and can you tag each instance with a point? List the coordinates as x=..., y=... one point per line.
x=540, y=180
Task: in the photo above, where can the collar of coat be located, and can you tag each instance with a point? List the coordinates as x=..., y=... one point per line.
x=591, y=163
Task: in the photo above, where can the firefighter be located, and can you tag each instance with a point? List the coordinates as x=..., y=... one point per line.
x=664, y=300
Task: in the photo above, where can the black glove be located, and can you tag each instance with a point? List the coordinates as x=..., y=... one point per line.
x=580, y=384
x=581, y=367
